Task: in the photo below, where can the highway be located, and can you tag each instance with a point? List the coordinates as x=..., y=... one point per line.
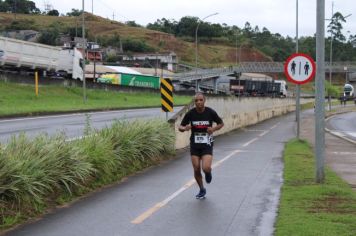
x=73, y=124
x=343, y=125
x=241, y=200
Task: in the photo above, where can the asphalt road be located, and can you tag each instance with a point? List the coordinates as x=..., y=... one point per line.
x=343, y=125
x=73, y=124
x=241, y=200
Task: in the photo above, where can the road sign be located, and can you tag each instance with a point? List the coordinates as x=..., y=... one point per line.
x=167, y=95
x=299, y=68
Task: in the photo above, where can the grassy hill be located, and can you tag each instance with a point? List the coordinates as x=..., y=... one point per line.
x=209, y=54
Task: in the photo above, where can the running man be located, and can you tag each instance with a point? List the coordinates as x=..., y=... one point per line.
x=200, y=121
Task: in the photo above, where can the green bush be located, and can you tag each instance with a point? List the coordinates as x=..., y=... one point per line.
x=134, y=45
x=22, y=25
x=35, y=172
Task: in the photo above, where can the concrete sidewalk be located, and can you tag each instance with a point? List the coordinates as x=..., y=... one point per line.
x=340, y=154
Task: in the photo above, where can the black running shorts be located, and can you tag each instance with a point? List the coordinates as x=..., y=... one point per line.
x=201, y=151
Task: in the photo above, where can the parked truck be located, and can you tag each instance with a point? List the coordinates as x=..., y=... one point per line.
x=254, y=87
x=27, y=56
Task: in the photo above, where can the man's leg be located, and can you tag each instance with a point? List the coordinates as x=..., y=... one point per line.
x=197, y=173
x=207, y=160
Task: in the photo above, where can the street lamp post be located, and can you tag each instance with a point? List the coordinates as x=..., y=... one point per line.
x=196, y=45
x=84, y=50
x=331, y=55
x=331, y=51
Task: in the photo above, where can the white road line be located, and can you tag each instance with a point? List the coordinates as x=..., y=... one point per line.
x=72, y=114
x=159, y=205
x=249, y=142
x=254, y=130
x=353, y=134
x=274, y=126
x=344, y=153
x=264, y=133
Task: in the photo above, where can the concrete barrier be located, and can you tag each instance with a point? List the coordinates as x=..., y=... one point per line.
x=237, y=113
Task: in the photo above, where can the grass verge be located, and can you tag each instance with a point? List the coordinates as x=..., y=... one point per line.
x=21, y=99
x=307, y=208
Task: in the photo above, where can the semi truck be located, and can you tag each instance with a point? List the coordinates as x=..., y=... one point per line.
x=19, y=55
x=253, y=87
x=349, y=92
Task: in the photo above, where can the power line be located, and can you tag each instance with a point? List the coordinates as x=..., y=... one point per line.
x=110, y=8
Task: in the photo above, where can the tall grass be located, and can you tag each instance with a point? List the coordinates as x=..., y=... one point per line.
x=39, y=171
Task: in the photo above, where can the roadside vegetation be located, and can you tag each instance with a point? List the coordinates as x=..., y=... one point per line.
x=45, y=172
x=308, y=208
x=20, y=99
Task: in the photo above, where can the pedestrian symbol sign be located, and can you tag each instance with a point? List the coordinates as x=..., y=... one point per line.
x=299, y=68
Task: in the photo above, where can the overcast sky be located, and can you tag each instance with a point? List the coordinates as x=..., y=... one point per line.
x=278, y=16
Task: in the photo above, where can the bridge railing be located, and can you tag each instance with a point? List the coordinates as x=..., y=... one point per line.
x=255, y=67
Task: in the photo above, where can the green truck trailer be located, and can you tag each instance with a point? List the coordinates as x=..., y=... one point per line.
x=143, y=81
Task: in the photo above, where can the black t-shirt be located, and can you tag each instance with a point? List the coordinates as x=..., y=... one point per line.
x=200, y=123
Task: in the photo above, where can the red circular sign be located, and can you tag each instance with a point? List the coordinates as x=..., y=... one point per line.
x=299, y=68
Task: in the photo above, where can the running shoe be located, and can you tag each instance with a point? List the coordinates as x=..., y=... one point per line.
x=201, y=194
x=208, y=177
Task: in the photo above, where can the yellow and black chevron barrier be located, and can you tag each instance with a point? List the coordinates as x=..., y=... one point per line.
x=167, y=95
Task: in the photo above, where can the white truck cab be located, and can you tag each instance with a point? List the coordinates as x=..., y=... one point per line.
x=283, y=90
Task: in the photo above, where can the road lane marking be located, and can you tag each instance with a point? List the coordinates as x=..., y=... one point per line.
x=353, y=134
x=264, y=133
x=159, y=205
x=253, y=130
x=149, y=212
x=344, y=153
x=249, y=142
x=274, y=126
x=75, y=114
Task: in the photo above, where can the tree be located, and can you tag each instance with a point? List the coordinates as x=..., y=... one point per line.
x=53, y=12
x=335, y=26
x=164, y=25
x=132, y=23
x=4, y=6
x=19, y=6
x=74, y=12
x=187, y=25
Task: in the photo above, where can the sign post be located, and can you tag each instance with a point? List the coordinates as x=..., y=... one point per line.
x=167, y=96
x=300, y=69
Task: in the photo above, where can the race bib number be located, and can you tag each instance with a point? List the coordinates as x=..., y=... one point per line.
x=201, y=138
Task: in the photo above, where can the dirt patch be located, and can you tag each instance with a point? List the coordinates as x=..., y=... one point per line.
x=334, y=204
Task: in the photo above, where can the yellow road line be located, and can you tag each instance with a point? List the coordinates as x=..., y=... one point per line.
x=159, y=205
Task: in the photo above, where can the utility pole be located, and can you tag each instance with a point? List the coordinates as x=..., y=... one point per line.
x=319, y=96
x=15, y=8
x=236, y=48
x=297, y=108
x=331, y=54
x=92, y=7
x=196, y=48
x=84, y=52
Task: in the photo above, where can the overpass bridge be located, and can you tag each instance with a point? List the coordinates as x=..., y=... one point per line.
x=254, y=67
x=195, y=77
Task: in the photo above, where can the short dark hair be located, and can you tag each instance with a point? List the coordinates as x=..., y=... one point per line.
x=199, y=93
